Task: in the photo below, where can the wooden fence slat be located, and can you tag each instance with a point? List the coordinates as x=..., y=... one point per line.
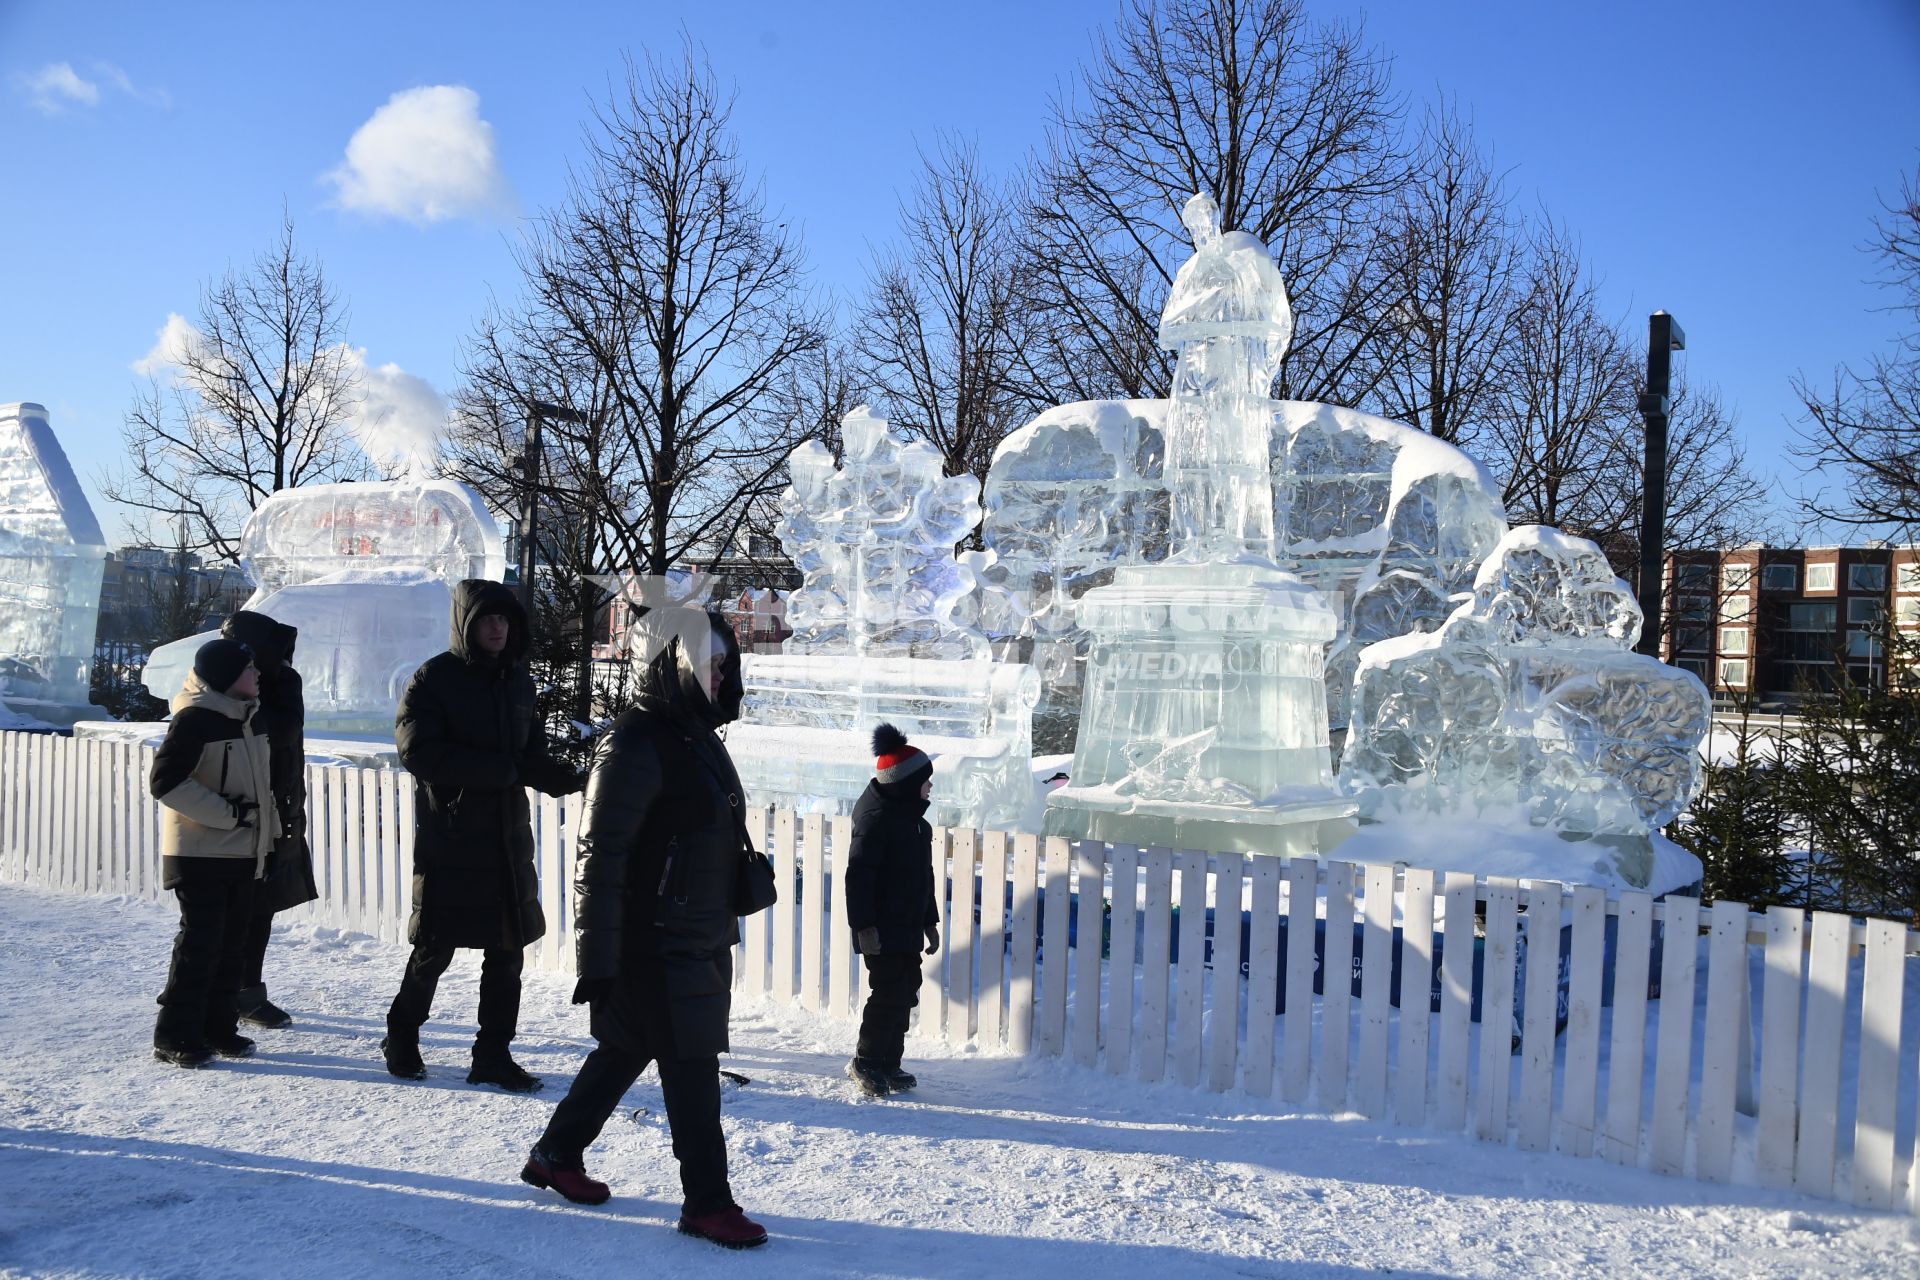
x=930, y=1019
x=1336, y=989
x=963, y=1015
x=1878, y=1085
x=1089, y=857
x=1627, y=1047
x=1673, y=1049
x=1539, y=1028
x=1820, y=1083
x=757, y=929
x=1296, y=1047
x=1452, y=1077
x=1416, y=1001
x=1222, y=1057
x=1780, y=1046
x=843, y=967
x=1376, y=1007
x=1156, y=966
x=1492, y=1088
x=557, y=943
x=1124, y=874
x=354, y=852
x=1720, y=1040
x=1026, y=931
x=1050, y=1014
x=88, y=859
x=812, y=910
x=784, y=968
x=994, y=888
x=1263, y=974
x=1585, y=975
x=1190, y=973
x=396, y=789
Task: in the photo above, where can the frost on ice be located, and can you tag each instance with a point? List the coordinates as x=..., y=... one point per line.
x=52, y=558
x=1528, y=700
x=883, y=630
x=365, y=572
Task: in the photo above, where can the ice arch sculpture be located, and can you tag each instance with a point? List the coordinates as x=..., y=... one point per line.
x=52, y=559
x=1529, y=702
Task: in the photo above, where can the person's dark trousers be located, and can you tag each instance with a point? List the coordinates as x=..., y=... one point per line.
x=499, y=995
x=254, y=951
x=893, y=989
x=209, y=952
x=691, y=1089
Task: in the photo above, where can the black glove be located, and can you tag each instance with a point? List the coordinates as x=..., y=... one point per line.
x=243, y=811
x=933, y=939
x=868, y=940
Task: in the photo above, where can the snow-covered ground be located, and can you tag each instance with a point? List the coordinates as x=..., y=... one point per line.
x=309, y=1160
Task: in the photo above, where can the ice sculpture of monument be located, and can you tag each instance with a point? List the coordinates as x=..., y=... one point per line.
x=52, y=557
x=876, y=637
x=1204, y=721
x=365, y=571
x=1528, y=705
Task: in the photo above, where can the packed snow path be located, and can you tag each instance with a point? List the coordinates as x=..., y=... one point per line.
x=309, y=1160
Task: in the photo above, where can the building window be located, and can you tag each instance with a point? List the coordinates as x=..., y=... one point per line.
x=1695, y=577
x=1867, y=577
x=1821, y=577
x=1696, y=667
x=1906, y=611
x=1733, y=672
x=1864, y=609
x=1780, y=577
x=1811, y=615
x=1736, y=577
x=1908, y=577
x=1862, y=644
x=1693, y=608
x=1733, y=639
x=1735, y=608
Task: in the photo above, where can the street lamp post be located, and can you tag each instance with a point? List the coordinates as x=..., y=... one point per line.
x=538, y=411
x=1664, y=337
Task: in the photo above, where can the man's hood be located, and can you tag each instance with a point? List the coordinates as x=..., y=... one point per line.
x=676, y=642
x=473, y=599
x=271, y=641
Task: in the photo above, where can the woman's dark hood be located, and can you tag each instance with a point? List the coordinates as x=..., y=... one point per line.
x=677, y=641
x=473, y=599
x=271, y=641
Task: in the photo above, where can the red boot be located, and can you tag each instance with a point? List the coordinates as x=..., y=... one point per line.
x=567, y=1176
x=728, y=1228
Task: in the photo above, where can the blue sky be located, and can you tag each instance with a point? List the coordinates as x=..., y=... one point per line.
x=1720, y=160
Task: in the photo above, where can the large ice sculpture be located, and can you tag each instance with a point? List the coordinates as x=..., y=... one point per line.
x=1204, y=720
x=1529, y=704
x=52, y=557
x=365, y=571
x=882, y=632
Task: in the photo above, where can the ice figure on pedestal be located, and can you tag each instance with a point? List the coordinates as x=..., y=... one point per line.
x=52, y=557
x=877, y=635
x=1528, y=708
x=365, y=572
x=1204, y=721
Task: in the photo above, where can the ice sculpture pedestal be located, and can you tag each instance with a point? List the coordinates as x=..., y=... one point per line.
x=1204, y=718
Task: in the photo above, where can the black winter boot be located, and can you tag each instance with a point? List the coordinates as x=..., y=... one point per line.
x=254, y=1007
x=899, y=1081
x=403, y=1057
x=184, y=1055
x=871, y=1079
x=504, y=1071
x=231, y=1045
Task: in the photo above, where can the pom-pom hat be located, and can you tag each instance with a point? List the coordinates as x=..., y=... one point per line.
x=896, y=759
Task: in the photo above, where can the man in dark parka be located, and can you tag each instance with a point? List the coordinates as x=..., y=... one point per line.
x=468, y=734
x=661, y=853
x=289, y=881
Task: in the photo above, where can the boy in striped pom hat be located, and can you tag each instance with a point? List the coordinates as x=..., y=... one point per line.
x=892, y=904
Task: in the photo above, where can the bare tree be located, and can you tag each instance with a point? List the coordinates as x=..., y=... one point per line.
x=1867, y=425
x=936, y=337
x=259, y=399
x=1287, y=124
x=663, y=306
x=1453, y=248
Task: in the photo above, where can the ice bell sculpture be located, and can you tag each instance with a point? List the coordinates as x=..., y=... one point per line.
x=52, y=559
x=879, y=633
x=1204, y=720
x=365, y=572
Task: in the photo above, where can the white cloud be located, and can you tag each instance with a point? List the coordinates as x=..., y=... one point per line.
x=401, y=418
x=57, y=86
x=124, y=83
x=425, y=156
x=173, y=341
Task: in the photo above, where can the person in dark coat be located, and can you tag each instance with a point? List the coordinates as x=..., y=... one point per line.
x=289, y=882
x=661, y=852
x=468, y=734
x=217, y=823
x=893, y=905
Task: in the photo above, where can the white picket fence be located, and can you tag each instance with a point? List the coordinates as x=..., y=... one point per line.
x=1782, y=996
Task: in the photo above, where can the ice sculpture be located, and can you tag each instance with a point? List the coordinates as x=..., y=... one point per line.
x=365, y=572
x=882, y=632
x=1528, y=703
x=52, y=557
x=1204, y=719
